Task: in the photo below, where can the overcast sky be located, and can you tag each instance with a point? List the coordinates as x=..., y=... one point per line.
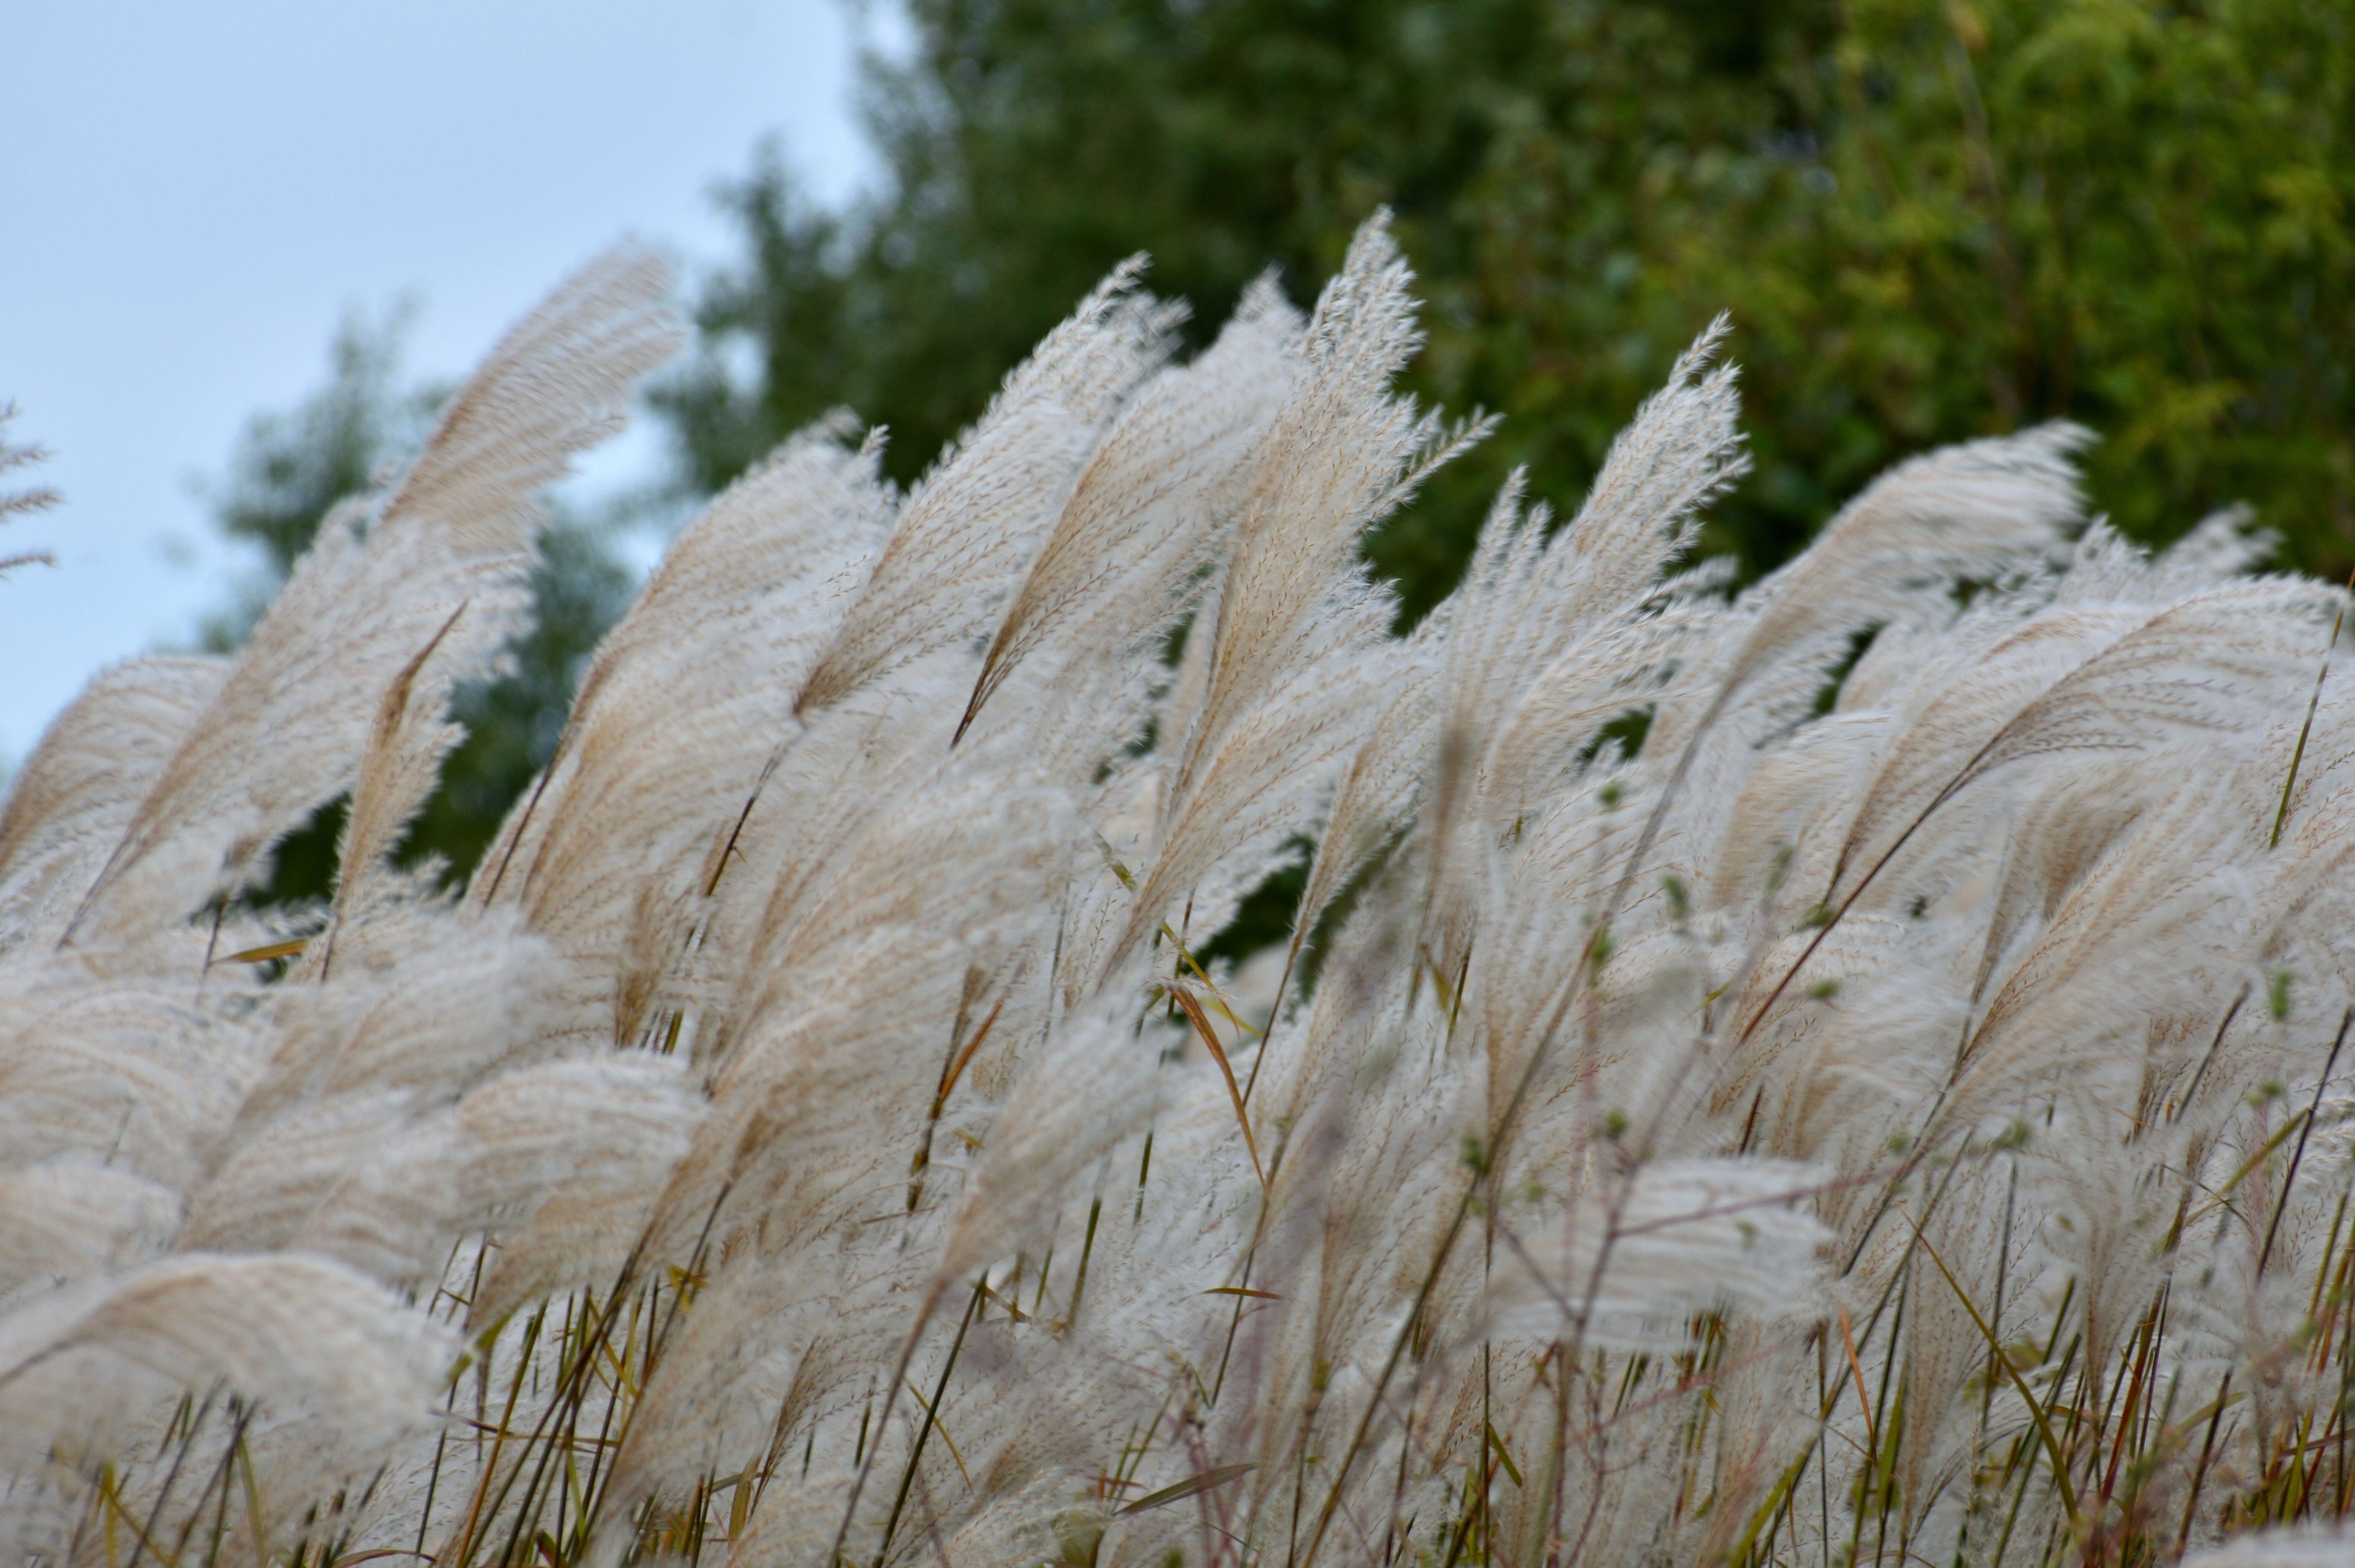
x=192, y=195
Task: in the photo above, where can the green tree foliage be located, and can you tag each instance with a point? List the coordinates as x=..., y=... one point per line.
x=289, y=468
x=1930, y=222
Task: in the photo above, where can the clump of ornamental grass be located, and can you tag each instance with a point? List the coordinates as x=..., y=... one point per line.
x=1848, y=1068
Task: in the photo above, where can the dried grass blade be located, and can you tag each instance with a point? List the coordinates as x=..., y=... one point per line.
x=1190, y=1487
x=2035, y=1406
x=1193, y=1011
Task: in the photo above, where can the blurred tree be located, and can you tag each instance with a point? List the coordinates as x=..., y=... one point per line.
x=1930, y=222
x=288, y=470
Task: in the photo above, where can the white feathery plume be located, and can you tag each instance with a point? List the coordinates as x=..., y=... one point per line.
x=1682, y=450
x=1822, y=1077
x=358, y=1144
x=782, y=543
x=2057, y=839
x=967, y=860
x=781, y=1157
x=451, y=544
x=1088, y=1088
x=930, y=1237
x=1985, y=510
x=366, y=1028
x=556, y=385
x=876, y=756
x=1552, y=633
x=1342, y=453
x=70, y=1219
x=344, y=1143
x=770, y=1352
x=1799, y=794
x=2171, y=887
x=2209, y=670
x=856, y=999
x=2308, y=915
x=1944, y=1353
x=1963, y=716
x=76, y=793
x=563, y=1162
x=1271, y=706
x=2310, y=1545
x=1385, y=780
x=704, y=662
x=969, y=529
x=1530, y=600
x=357, y=1178
x=682, y=716
x=291, y=1332
x=2201, y=673
x=1621, y=662
x=1981, y=509
x=1152, y=497
x=133, y=1073
x=1627, y=1264
x=2106, y=565
x=1262, y=779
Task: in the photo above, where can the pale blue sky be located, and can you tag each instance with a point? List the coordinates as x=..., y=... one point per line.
x=191, y=196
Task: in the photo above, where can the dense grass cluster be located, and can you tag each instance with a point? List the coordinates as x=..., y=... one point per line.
x=1846, y=1070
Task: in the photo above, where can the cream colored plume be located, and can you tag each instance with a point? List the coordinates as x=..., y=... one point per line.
x=296, y=1333
x=1385, y=779
x=364, y=1029
x=76, y=793
x=399, y=768
x=133, y=1073
x=704, y=661
x=1965, y=715
x=1341, y=454
x=1088, y=1089
x=1628, y=1263
x=1257, y=737
x=563, y=1163
x=683, y=717
x=1152, y=497
x=1983, y=511
x=361, y=1178
x=1264, y=778
x=970, y=529
x=450, y=549
x=2208, y=671
x=71, y=1219
x=2285, y=1546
